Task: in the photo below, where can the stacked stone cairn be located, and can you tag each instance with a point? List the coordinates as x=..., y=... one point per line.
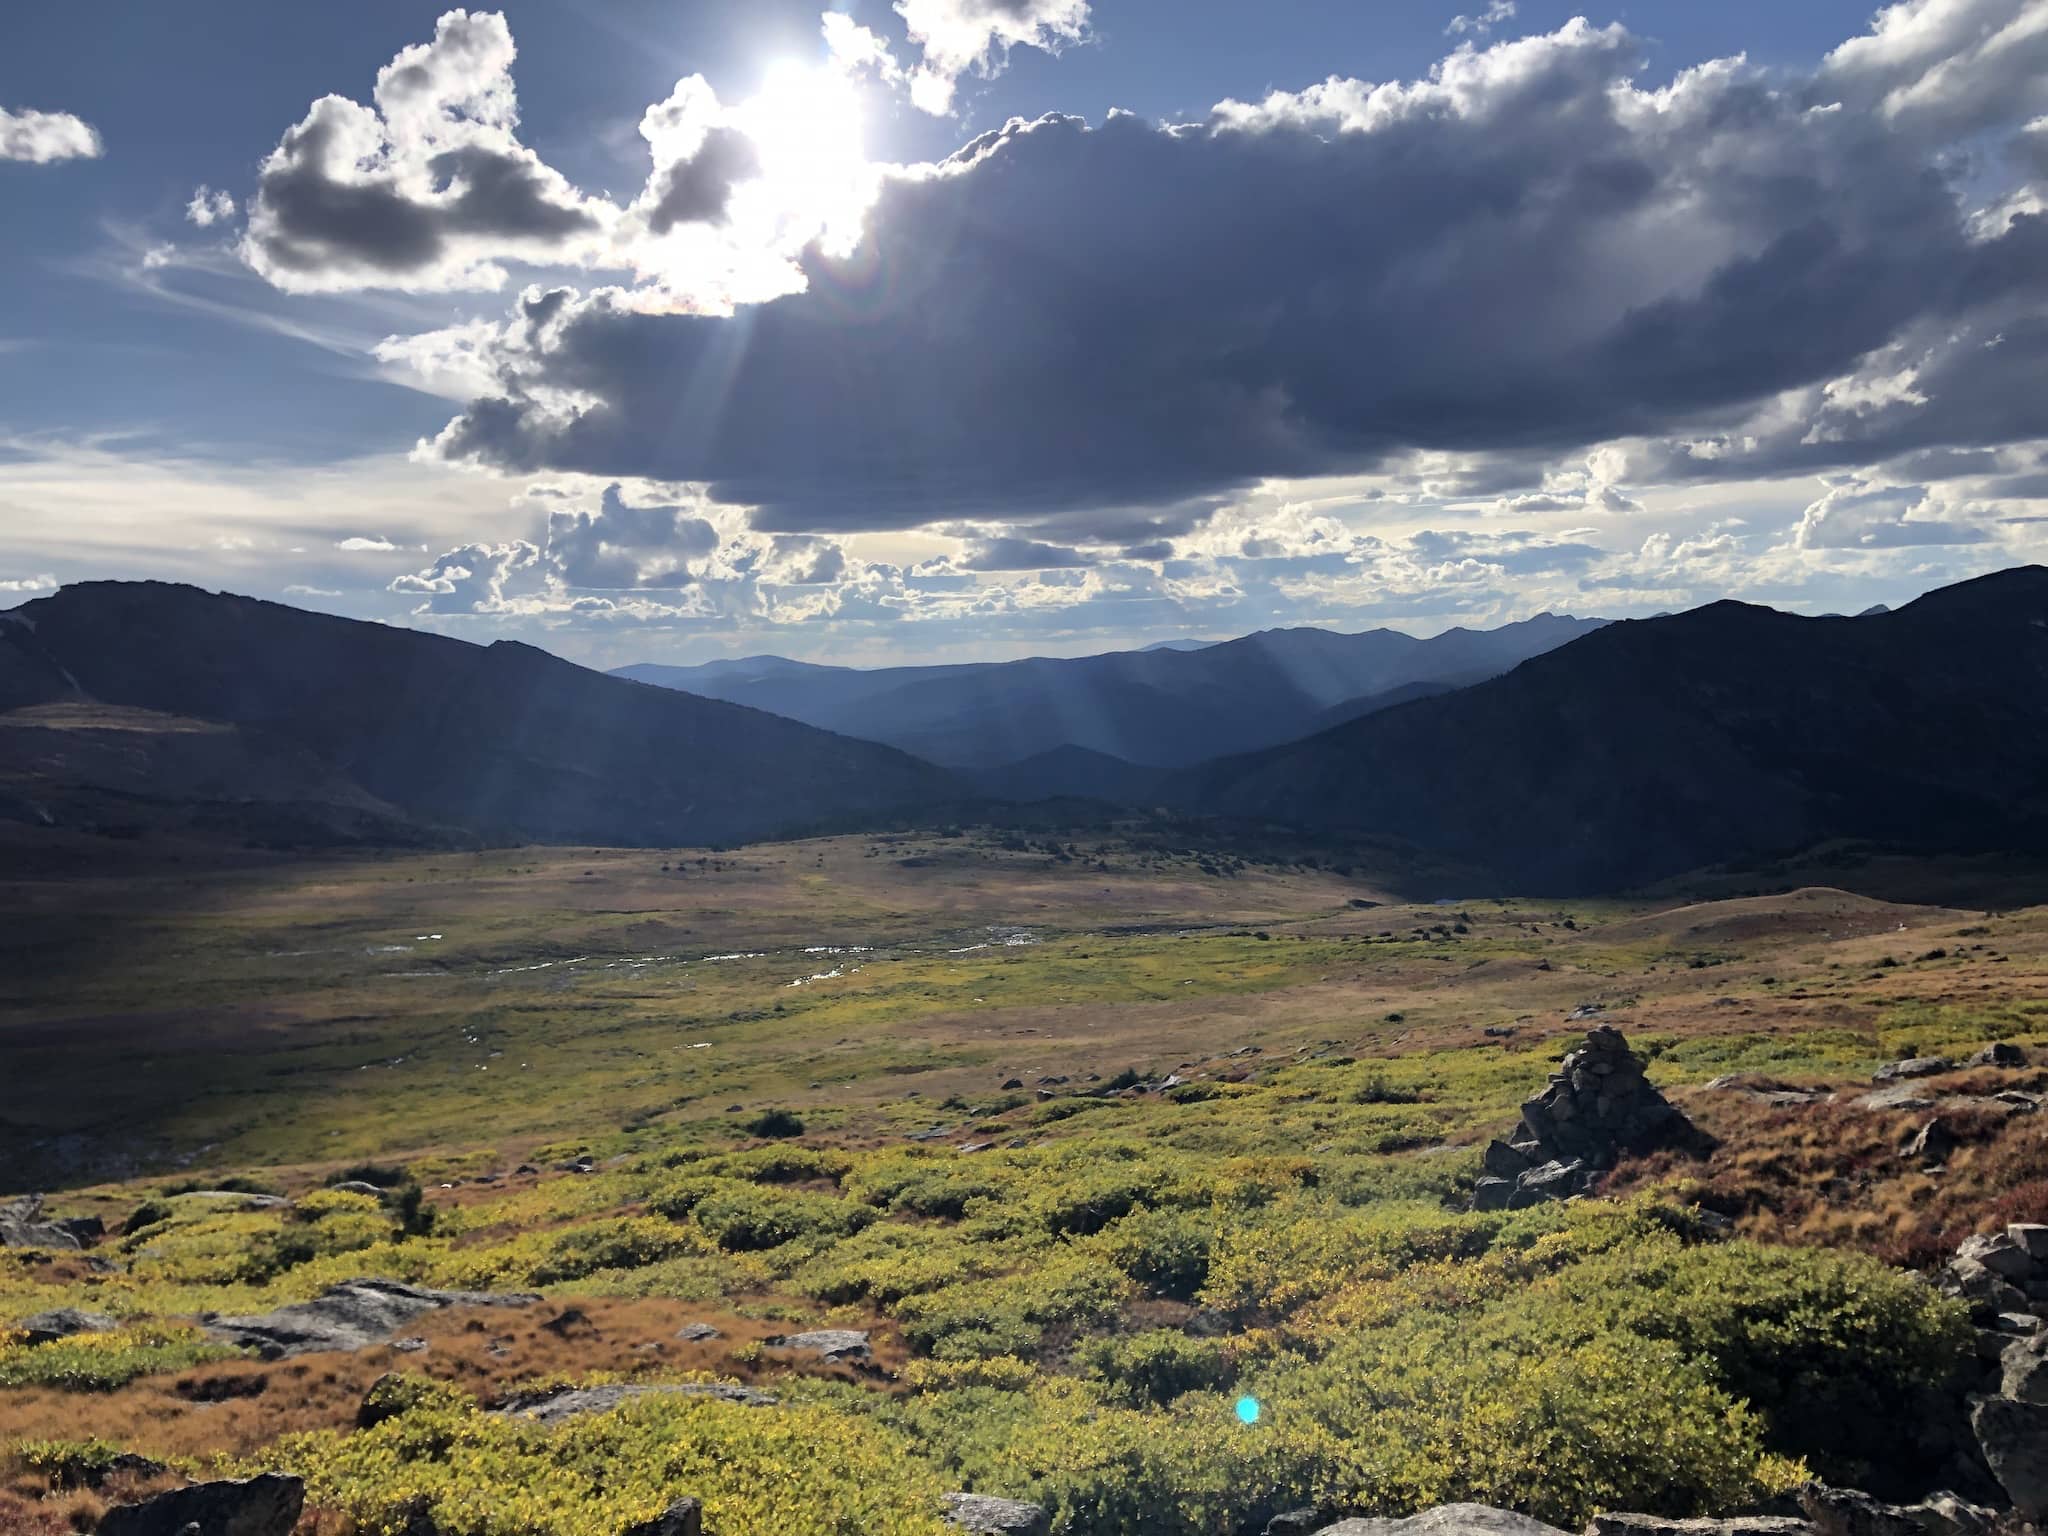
x=1598, y=1106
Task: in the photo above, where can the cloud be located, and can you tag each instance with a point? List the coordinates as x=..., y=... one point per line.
x=621, y=546
x=358, y=543
x=1526, y=253
x=42, y=583
x=958, y=36
x=1859, y=515
x=469, y=580
x=1009, y=553
x=1495, y=13
x=430, y=189
x=209, y=207
x=1946, y=66
x=40, y=137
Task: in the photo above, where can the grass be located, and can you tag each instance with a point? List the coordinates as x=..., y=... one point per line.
x=960, y=1144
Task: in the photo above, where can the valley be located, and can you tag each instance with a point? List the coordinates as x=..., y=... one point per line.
x=1086, y=1141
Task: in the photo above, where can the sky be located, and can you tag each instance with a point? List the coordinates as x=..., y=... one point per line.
x=647, y=330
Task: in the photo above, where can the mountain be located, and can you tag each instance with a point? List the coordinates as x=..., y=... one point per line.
x=1156, y=708
x=503, y=742
x=1071, y=773
x=1657, y=746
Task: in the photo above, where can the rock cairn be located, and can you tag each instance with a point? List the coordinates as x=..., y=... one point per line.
x=1597, y=1106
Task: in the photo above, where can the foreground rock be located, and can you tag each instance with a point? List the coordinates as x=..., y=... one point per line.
x=265, y=1505
x=685, y=1517
x=1848, y=1512
x=1597, y=1107
x=22, y=1226
x=64, y=1323
x=1447, y=1520
x=982, y=1515
x=353, y=1315
x=2014, y=1439
x=567, y=1403
x=832, y=1344
x=1660, y=1525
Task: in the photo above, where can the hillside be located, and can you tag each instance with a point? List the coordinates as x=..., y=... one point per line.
x=1158, y=707
x=502, y=741
x=1729, y=732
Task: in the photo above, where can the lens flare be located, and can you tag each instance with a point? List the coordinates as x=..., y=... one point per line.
x=1248, y=1410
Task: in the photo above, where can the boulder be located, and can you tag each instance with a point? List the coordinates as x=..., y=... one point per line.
x=567, y=1403
x=22, y=1226
x=1493, y=1194
x=352, y=1315
x=1503, y=1161
x=2013, y=1438
x=1933, y=1143
x=1660, y=1525
x=697, y=1333
x=1850, y=1512
x=1913, y=1066
x=1447, y=1520
x=48, y=1327
x=2032, y=1236
x=1295, y=1522
x=1999, y=1253
x=833, y=1344
x=986, y=1516
x=1899, y=1097
x=265, y=1505
x=2023, y=1369
x=685, y=1517
x=358, y=1187
x=2001, y=1053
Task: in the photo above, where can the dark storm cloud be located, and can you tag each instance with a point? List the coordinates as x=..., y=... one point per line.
x=1019, y=554
x=1524, y=254
x=699, y=189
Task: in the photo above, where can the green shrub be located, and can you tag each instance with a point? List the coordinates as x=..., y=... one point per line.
x=101, y=1362
x=1155, y=1367
x=775, y=1122
x=1166, y=1251
x=744, y=1218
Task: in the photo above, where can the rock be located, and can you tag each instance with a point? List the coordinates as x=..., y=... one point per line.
x=1296, y=1522
x=1999, y=1054
x=1933, y=1143
x=22, y=1226
x=986, y=1516
x=685, y=1517
x=1598, y=1106
x=1010, y=1083
x=2013, y=1437
x=47, y=1327
x=358, y=1187
x=2016, y=1322
x=1503, y=1161
x=1492, y=1194
x=2031, y=1236
x=834, y=1344
x=2023, y=1369
x=1660, y=1525
x=1447, y=1520
x=1850, y=1512
x=239, y=1199
x=697, y=1333
x=1900, y=1097
x=1998, y=1253
x=265, y=1505
x=1947, y=1514
x=570, y=1322
x=353, y=1315
x=565, y=1403
x=1913, y=1066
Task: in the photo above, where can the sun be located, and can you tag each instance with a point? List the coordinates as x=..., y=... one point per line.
x=806, y=127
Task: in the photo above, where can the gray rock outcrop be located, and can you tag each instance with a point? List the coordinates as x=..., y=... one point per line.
x=22, y=1226
x=1849, y=1512
x=265, y=1505
x=567, y=1403
x=832, y=1344
x=1660, y=1525
x=1912, y=1066
x=1597, y=1107
x=982, y=1515
x=2013, y=1437
x=350, y=1316
x=685, y=1517
x=1447, y=1520
x=63, y=1323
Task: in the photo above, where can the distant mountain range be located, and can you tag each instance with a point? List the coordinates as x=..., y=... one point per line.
x=338, y=730
x=1662, y=745
x=1163, y=707
x=1637, y=751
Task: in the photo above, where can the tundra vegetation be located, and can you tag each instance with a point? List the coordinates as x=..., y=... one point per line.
x=1150, y=1186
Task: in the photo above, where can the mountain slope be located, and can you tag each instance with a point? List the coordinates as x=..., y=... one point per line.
x=1157, y=707
x=1661, y=745
x=503, y=740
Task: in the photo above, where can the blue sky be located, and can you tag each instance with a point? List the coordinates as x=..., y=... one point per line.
x=1564, y=314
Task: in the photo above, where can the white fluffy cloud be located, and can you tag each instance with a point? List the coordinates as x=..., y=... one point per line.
x=40, y=137
x=209, y=207
x=958, y=36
